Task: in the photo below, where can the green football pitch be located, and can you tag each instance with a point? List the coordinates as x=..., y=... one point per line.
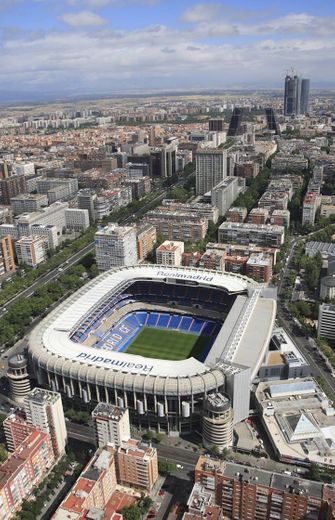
x=167, y=344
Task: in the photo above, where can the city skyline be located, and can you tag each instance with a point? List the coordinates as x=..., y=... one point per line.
x=103, y=46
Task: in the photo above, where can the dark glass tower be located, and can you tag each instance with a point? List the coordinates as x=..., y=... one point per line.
x=235, y=123
x=292, y=96
x=304, y=98
x=271, y=120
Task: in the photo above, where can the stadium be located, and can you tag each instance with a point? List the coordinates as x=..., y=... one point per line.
x=157, y=339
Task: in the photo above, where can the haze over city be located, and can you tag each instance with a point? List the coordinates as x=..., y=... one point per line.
x=88, y=47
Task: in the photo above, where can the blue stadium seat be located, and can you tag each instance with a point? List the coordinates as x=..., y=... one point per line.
x=185, y=323
x=153, y=318
x=196, y=326
x=163, y=320
x=175, y=322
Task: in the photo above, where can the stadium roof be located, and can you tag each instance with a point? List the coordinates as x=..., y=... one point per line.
x=53, y=334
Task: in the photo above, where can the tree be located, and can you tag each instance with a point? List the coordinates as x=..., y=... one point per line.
x=215, y=451
x=314, y=471
x=165, y=466
x=159, y=437
x=145, y=503
x=131, y=513
x=3, y=453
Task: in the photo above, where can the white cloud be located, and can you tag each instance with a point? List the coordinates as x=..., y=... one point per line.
x=82, y=19
x=200, y=13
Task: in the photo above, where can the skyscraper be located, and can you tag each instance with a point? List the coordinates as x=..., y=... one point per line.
x=235, y=123
x=211, y=168
x=292, y=95
x=271, y=121
x=304, y=98
x=115, y=246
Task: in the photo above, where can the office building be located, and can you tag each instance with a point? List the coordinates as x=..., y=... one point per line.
x=28, y=202
x=304, y=97
x=226, y=192
x=327, y=287
x=115, y=246
x=216, y=125
x=217, y=422
x=137, y=465
x=170, y=253
x=23, y=471
x=53, y=215
x=18, y=377
x=235, y=127
x=245, y=492
x=292, y=95
x=92, y=491
x=326, y=321
x=146, y=238
x=44, y=409
x=12, y=186
x=211, y=168
x=27, y=169
x=77, y=220
x=31, y=251
x=111, y=424
x=271, y=121
x=49, y=233
x=245, y=233
x=7, y=254
x=85, y=200
x=57, y=189
x=177, y=225
x=163, y=160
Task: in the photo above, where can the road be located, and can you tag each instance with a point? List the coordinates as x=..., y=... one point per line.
x=26, y=293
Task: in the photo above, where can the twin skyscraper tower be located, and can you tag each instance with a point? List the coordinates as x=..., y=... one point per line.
x=296, y=96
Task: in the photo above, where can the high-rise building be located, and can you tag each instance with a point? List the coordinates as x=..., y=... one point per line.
x=326, y=321
x=7, y=253
x=217, y=422
x=146, y=237
x=226, y=192
x=211, y=168
x=111, y=425
x=115, y=246
x=304, y=98
x=216, y=125
x=235, y=123
x=77, y=219
x=271, y=121
x=85, y=200
x=12, y=186
x=44, y=409
x=292, y=95
x=137, y=465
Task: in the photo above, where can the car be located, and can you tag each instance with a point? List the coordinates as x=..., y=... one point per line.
x=161, y=492
x=179, y=466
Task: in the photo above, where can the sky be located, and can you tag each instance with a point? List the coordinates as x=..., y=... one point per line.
x=74, y=47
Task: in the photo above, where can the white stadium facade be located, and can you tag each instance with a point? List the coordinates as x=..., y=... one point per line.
x=79, y=348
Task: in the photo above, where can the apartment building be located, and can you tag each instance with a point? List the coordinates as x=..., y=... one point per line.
x=24, y=469
x=260, y=235
x=177, y=225
x=31, y=250
x=253, y=494
x=226, y=192
x=28, y=202
x=259, y=267
x=236, y=214
x=203, y=210
x=137, y=465
x=326, y=321
x=115, y=246
x=170, y=253
x=258, y=216
x=57, y=189
x=44, y=409
x=246, y=170
x=49, y=233
x=77, y=220
x=16, y=430
x=12, y=186
x=280, y=217
x=273, y=200
x=111, y=424
x=146, y=238
x=212, y=260
x=309, y=208
x=92, y=491
x=53, y=215
x=7, y=254
x=211, y=168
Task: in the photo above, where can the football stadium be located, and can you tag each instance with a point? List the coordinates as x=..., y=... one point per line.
x=158, y=340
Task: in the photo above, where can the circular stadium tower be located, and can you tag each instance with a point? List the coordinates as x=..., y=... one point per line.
x=157, y=340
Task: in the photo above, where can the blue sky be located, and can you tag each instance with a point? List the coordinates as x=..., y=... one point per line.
x=101, y=46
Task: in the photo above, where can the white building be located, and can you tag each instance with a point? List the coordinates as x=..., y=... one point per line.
x=28, y=202
x=170, y=253
x=111, y=424
x=226, y=192
x=53, y=215
x=24, y=168
x=31, y=250
x=48, y=232
x=44, y=409
x=211, y=168
x=326, y=323
x=77, y=219
x=115, y=246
